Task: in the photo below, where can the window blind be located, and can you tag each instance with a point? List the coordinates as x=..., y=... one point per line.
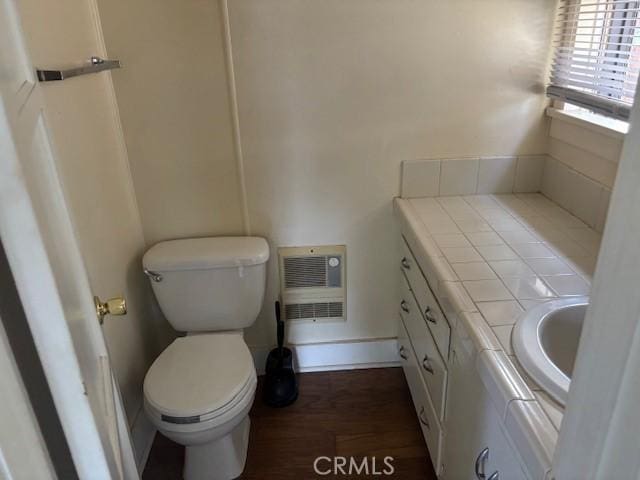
x=596, y=55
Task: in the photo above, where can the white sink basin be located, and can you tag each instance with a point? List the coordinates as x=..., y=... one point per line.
x=545, y=341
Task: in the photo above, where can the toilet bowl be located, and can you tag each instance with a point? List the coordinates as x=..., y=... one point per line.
x=198, y=393
x=200, y=389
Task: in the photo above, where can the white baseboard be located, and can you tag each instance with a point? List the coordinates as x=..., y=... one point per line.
x=142, y=434
x=348, y=355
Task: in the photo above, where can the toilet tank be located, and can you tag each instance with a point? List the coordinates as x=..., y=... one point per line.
x=209, y=284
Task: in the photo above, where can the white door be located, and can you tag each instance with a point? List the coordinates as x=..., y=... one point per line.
x=39, y=240
x=19, y=424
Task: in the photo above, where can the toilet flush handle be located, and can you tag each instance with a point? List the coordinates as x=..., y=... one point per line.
x=155, y=276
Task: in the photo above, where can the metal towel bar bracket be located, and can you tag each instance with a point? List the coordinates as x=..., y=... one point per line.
x=96, y=65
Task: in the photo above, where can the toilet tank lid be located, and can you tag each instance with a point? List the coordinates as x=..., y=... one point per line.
x=204, y=253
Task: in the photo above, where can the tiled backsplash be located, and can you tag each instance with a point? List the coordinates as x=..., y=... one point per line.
x=585, y=198
x=467, y=176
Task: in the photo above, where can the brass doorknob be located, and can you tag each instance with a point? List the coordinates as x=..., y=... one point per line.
x=113, y=306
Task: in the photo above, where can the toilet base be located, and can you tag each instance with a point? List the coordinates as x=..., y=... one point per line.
x=222, y=459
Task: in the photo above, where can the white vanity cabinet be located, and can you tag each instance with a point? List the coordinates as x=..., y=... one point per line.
x=423, y=336
x=462, y=428
x=430, y=363
x=429, y=309
x=476, y=445
x=429, y=422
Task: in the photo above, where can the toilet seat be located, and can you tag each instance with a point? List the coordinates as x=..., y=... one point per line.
x=200, y=379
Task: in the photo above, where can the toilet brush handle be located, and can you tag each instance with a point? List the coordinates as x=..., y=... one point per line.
x=280, y=329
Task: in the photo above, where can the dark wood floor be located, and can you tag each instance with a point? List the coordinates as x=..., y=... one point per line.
x=350, y=413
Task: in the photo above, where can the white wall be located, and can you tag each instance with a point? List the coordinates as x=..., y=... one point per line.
x=333, y=95
x=173, y=99
x=93, y=167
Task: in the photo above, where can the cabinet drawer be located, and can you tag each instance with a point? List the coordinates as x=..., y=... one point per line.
x=430, y=363
x=429, y=307
x=431, y=429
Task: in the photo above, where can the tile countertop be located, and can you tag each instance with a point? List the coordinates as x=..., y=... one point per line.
x=488, y=258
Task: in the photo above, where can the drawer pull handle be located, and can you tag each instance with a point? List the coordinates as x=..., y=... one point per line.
x=429, y=316
x=426, y=364
x=405, y=263
x=422, y=419
x=494, y=476
x=404, y=307
x=480, y=461
x=401, y=353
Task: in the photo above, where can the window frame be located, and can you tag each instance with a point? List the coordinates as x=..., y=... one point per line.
x=618, y=21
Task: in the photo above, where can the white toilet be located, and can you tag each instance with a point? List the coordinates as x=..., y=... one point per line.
x=199, y=391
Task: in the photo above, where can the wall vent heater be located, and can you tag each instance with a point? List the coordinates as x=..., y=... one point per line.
x=313, y=282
